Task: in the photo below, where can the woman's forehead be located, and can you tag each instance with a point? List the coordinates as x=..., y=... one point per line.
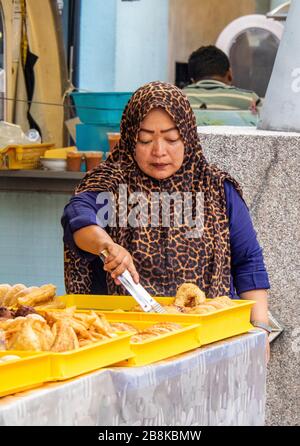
x=158, y=117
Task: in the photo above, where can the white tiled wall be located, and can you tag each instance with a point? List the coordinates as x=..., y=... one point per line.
x=31, y=247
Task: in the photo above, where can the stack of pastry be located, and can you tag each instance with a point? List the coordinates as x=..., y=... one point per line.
x=19, y=294
x=191, y=300
x=56, y=331
x=147, y=333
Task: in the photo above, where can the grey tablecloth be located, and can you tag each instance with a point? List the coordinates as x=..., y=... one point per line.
x=222, y=384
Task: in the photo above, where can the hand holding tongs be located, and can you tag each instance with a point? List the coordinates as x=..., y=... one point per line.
x=138, y=292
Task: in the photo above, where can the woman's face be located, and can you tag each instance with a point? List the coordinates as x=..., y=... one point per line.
x=159, y=149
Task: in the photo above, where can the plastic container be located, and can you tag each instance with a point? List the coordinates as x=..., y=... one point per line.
x=215, y=326
x=22, y=156
x=113, y=139
x=91, y=137
x=74, y=161
x=161, y=347
x=100, y=354
x=100, y=108
x=93, y=159
x=36, y=368
x=60, y=153
x=55, y=164
x=32, y=370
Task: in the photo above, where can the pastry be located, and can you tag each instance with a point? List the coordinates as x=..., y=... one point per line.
x=10, y=297
x=65, y=338
x=121, y=326
x=38, y=296
x=189, y=295
x=4, y=288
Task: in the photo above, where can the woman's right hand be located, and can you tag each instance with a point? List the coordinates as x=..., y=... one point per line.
x=117, y=261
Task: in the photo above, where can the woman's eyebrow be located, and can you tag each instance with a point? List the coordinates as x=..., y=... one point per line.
x=162, y=131
x=146, y=130
x=168, y=130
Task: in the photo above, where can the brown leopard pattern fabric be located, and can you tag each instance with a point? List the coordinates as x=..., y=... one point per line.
x=164, y=256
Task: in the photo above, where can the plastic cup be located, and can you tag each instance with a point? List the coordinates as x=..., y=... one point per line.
x=93, y=159
x=74, y=160
x=113, y=139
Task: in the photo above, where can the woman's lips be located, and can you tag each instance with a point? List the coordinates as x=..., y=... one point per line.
x=159, y=166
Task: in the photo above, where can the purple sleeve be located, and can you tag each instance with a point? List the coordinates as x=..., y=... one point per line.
x=247, y=264
x=81, y=211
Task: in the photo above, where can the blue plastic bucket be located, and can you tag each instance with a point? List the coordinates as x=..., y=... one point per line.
x=94, y=137
x=100, y=108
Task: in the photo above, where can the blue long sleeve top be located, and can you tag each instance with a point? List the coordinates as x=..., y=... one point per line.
x=248, y=271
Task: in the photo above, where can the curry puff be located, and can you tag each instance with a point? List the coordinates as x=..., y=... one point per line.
x=20, y=295
x=55, y=331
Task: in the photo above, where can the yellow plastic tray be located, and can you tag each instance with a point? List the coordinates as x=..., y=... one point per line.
x=22, y=156
x=92, y=357
x=32, y=370
x=215, y=326
x=163, y=346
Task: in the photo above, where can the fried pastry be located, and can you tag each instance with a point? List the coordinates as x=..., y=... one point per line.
x=121, y=326
x=65, y=338
x=217, y=304
x=140, y=337
x=5, y=313
x=9, y=299
x=4, y=289
x=189, y=295
x=200, y=309
x=225, y=300
x=35, y=297
x=54, y=304
x=23, y=338
x=174, y=309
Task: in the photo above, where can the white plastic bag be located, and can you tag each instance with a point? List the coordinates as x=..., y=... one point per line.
x=11, y=134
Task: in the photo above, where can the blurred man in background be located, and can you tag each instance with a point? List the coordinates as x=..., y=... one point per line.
x=211, y=88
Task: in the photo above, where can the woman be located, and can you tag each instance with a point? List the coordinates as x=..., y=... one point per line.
x=159, y=152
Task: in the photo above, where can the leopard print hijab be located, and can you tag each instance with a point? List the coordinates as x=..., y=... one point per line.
x=164, y=256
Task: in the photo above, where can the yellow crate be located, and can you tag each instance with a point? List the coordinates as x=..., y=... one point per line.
x=215, y=326
x=32, y=370
x=25, y=157
x=163, y=346
x=100, y=354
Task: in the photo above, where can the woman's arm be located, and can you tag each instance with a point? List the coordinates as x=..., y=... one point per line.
x=260, y=308
x=247, y=265
x=259, y=311
x=81, y=230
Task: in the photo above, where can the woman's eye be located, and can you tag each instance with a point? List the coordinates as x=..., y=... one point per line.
x=172, y=140
x=144, y=142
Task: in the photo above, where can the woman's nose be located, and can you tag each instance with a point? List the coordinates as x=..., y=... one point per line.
x=158, y=148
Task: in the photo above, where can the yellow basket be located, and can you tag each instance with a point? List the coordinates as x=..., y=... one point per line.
x=32, y=370
x=100, y=354
x=215, y=326
x=25, y=157
x=163, y=346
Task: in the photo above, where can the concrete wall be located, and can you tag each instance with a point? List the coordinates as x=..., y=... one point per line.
x=142, y=43
x=31, y=245
x=193, y=23
x=97, y=45
x=266, y=164
x=122, y=44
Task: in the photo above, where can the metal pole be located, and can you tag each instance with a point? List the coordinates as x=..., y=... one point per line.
x=281, y=108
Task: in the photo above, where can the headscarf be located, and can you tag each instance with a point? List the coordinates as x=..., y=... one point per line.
x=164, y=256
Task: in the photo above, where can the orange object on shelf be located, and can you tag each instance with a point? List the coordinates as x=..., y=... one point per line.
x=93, y=159
x=113, y=139
x=74, y=160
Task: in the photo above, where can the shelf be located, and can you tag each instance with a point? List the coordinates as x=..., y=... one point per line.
x=39, y=180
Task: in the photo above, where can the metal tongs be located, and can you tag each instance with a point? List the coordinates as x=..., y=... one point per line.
x=138, y=292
